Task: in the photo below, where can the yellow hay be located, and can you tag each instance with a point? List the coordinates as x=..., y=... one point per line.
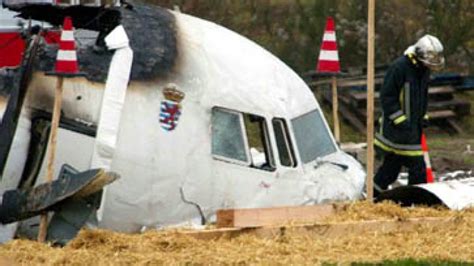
x=99, y=247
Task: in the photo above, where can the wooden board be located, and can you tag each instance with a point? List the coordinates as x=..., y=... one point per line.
x=443, y=114
x=455, y=126
x=352, y=117
x=271, y=216
x=361, y=82
x=442, y=90
x=434, y=115
x=326, y=230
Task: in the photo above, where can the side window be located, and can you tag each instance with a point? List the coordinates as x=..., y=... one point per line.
x=259, y=142
x=284, y=146
x=228, y=140
x=312, y=136
x=241, y=138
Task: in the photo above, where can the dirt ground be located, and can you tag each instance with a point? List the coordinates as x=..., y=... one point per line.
x=98, y=247
x=450, y=153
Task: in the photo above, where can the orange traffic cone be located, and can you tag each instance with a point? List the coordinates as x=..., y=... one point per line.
x=328, y=56
x=66, y=60
x=426, y=157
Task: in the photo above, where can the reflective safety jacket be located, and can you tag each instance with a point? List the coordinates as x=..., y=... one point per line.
x=404, y=101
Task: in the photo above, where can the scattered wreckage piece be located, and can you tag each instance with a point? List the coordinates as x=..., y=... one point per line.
x=454, y=194
x=18, y=205
x=325, y=230
x=73, y=198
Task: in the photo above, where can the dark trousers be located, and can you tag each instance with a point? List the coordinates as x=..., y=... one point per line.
x=392, y=165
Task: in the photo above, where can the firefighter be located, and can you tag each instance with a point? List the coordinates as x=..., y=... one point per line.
x=404, y=101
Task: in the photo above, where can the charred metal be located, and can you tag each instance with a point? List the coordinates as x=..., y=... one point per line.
x=155, y=53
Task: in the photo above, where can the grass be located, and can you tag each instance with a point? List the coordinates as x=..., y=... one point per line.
x=413, y=262
x=467, y=122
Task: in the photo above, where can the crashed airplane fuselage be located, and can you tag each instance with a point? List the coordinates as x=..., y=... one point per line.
x=208, y=120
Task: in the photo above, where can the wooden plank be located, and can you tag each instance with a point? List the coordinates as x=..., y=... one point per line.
x=460, y=107
x=335, y=110
x=362, y=96
x=344, y=83
x=52, y=153
x=439, y=105
x=326, y=230
x=455, y=126
x=442, y=114
x=6, y=261
x=352, y=118
x=326, y=81
x=355, y=83
x=271, y=216
x=370, y=99
x=344, y=99
x=434, y=115
x=443, y=90
x=348, y=113
x=214, y=234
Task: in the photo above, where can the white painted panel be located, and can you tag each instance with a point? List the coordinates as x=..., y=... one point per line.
x=72, y=148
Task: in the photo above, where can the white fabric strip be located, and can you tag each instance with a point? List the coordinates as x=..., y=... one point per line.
x=117, y=38
x=67, y=55
x=112, y=104
x=67, y=35
x=329, y=36
x=426, y=157
x=328, y=55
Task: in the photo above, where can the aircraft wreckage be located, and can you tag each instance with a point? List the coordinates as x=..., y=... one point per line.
x=191, y=116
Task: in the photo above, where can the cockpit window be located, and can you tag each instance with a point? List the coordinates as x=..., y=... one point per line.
x=285, y=149
x=228, y=138
x=312, y=136
x=259, y=142
x=241, y=138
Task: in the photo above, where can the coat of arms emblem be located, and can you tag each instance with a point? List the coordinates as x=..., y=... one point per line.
x=170, y=109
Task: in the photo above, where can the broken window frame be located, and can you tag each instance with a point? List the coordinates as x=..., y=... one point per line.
x=287, y=142
x=264, y=138
x=39, y=142
x=243, y=134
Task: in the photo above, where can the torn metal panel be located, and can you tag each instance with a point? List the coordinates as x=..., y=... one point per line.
x=454, y=194
x=18, y=205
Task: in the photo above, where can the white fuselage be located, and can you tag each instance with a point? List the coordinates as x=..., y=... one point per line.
x=166, y=174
